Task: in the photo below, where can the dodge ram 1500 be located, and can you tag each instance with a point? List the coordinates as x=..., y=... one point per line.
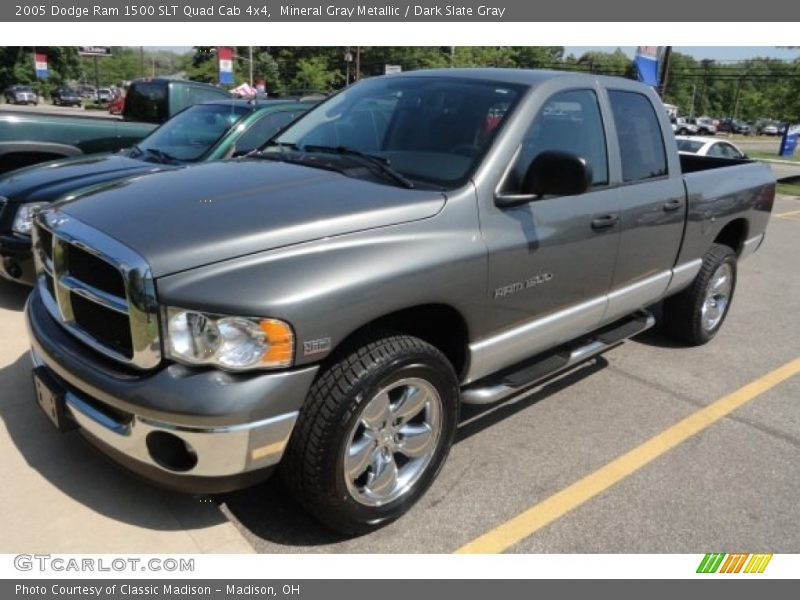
x=415, y=242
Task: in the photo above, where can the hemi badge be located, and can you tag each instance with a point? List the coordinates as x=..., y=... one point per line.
x=316, y=346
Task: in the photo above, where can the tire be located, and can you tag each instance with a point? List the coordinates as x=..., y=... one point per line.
x=354, y=415
x=695, y=315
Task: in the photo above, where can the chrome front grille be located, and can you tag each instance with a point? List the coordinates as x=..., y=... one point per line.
x=100, y=290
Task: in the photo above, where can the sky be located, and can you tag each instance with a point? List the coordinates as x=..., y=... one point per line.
x=719, y=53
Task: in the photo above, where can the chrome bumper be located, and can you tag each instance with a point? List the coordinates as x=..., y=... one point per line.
x=219, y=451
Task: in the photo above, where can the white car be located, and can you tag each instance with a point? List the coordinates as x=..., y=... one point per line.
x=703, y=146
x=770, y=130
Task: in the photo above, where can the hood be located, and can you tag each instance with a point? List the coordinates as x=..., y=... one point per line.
x=211, y=212
x=47, y=181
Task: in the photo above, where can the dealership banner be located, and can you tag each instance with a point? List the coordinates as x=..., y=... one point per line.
x=420, y=11
x=789, y=140
x=646, y=63
x=225, y=54
x=40, y=64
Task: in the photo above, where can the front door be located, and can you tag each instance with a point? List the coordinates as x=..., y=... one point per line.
x=551, y=261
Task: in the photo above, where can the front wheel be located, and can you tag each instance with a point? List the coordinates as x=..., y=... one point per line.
x=375, y=430
x=695, y=315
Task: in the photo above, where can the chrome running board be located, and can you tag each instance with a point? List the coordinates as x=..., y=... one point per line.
x=526, y=374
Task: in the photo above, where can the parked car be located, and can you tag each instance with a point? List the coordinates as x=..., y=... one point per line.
x=682, y=126
x=117, y=105
x=30, y=139
x=202, y=132
x=734, y=126
x=103, y=95
x=21, y=94
x=704, y=147
x=87, y=92
x=328, y=303
x=65, y=96
x=770, y=129
x=704, y=125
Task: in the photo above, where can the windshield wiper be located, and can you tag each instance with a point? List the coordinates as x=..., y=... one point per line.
x=266, y=154
x=378, y=161
x=163, y=157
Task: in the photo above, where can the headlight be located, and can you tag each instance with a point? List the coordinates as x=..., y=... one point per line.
x=23, y=220
x=233, y=343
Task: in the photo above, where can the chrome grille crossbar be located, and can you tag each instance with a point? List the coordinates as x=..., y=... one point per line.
x=70, y=236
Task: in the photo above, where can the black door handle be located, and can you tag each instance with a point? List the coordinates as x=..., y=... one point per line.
x=605, y=222
x=672, y=205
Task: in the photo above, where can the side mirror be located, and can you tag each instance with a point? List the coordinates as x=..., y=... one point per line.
x=557, y=174
x=552, y=173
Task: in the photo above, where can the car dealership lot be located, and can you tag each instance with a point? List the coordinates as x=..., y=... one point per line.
x=731, y=487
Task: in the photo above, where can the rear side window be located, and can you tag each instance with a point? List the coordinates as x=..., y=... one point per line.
x=639, y=134
x=146, y=101
x=569, y=122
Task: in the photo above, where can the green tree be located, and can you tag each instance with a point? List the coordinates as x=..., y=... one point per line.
x=314, y=74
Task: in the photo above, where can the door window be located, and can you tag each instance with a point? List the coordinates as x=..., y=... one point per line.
x=569, y=122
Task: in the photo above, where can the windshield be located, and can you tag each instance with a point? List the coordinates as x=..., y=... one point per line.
x=191, y=133
x=429, y=129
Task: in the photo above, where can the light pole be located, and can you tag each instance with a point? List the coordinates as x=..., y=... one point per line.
x=250, y=52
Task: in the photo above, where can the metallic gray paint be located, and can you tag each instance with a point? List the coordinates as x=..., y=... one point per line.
x=173, y=394
x=330, y=254
x=215, y=211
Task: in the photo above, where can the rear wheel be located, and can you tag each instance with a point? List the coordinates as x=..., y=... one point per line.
x=695, y=315
x=373, y=434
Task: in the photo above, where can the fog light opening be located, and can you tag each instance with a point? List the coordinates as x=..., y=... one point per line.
x=171, y=452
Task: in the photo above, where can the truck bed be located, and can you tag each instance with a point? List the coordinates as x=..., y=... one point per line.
x=746, y=191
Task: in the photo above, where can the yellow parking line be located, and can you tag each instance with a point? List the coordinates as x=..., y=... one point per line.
x=786, y=214
x=557, y=505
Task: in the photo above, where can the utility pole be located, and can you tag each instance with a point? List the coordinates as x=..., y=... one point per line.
x=736, y=98
x=250, y=51
x=141, y=60
x=706, y=66
x=694, y=89
x=348, y=58
x=358, y=63
x=665, y=70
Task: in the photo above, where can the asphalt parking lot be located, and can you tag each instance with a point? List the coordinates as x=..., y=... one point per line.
x=730, y=487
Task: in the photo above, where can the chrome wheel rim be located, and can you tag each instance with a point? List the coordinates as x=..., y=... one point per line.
x=393, y=441
x=718, y=296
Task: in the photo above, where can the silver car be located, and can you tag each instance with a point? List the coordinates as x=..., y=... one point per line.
x=21, y=94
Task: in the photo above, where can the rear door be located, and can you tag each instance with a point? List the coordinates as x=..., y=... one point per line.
x=551, y=260
x=652, y=205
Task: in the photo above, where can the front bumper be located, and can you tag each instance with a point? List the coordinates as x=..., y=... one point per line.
x=16, y=259
x=199, y=431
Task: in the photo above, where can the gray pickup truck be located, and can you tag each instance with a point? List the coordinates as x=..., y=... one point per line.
x=416, y=242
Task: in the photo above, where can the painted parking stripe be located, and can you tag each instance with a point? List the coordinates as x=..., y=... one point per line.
x=788, y=213
x=528, y=522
